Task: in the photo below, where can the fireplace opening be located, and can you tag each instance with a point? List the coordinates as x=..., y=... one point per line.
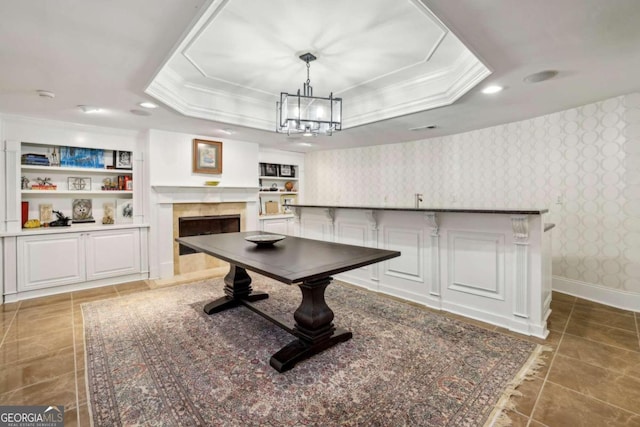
x=203, y=225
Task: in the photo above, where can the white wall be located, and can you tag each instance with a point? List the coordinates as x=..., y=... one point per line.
x=2, y=183
x=23, y=129
x=170, y=161
x=587, y=158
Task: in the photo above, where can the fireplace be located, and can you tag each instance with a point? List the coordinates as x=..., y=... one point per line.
x=203, y=225
x=232, y=214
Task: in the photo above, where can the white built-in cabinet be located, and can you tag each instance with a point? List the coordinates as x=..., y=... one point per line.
x=49, y=260
x=112, y=253
x=281, y=224
x=61, y=259
x=52, y=260
x=275, y=214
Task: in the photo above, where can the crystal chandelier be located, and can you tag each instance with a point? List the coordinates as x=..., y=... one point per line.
x=308, y=114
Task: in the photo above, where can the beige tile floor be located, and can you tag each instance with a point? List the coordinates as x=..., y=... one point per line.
x=592, y=376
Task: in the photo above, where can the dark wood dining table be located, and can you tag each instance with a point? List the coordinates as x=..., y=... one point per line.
x=292, y=260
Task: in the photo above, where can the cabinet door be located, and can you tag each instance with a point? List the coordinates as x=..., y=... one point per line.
x=45, y=261
x=277, y=225
x=112, y=253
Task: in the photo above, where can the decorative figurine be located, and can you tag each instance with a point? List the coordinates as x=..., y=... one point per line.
x=82, y=210
x=109, y=213
x=54, y=158
x=44, y=181
x=62, y=221
x=24, y=183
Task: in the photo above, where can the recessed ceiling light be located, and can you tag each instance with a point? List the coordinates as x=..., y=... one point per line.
x=46, y=94
x=89, y=109
x=147, y=104
x=140, y=113
x=492, y=89
x=226, y=131
x=540, y=76
x=305, y=144
x=426, y=127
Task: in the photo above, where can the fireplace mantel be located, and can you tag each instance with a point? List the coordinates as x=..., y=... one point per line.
x=204, y=194
x=163, y=198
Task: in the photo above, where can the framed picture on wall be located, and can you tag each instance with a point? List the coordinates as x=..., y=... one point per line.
x=207, y=156
x=270, y=169
x=46, y=212
x=79, y=183
x=286, y=202
x=287, y=171
x=122, y=159
x=124, y=211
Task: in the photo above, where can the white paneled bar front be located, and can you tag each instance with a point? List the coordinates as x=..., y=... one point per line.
x=486, y=264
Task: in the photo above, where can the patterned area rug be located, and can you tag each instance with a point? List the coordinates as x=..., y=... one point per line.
x=156, y=359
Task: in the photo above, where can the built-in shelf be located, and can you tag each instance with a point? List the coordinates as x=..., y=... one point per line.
x=67, y=192
x=74, y=169
x=278, y=178
x=275, y=193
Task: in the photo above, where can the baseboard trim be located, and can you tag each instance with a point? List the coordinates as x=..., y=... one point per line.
x=613, y=297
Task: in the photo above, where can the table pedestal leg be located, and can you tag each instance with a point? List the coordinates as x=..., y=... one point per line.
x=314, y=328
x=237, y=288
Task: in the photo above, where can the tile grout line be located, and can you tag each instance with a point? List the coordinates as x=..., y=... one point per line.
x=604, y=402
x=546, y=379
x=13, y=318
x=637, y=326
x=555, y=353
x=4, y=336
x=75, y=361
x=591, y=340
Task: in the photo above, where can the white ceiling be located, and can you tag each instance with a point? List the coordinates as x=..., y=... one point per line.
x=107, y=53
x=396, y=58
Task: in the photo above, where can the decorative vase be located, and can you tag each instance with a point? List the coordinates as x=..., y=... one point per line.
x=288, y=185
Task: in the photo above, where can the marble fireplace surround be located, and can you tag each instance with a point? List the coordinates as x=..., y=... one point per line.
x=173, y=202
x=183, y=264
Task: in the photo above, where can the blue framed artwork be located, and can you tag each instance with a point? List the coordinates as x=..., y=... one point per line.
x=82, y=157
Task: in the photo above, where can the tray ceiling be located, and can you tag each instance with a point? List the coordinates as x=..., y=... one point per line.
x=106, y=53
x=385, y=58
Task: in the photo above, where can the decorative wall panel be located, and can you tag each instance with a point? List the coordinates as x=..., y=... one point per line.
x=318, y=230
x=410, y=265
x=476, y=263
x=353, y=234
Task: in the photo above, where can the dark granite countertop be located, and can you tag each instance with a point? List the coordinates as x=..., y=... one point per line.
x=408, y=209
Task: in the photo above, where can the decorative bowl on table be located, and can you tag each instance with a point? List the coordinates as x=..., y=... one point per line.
x=265, y=239
x=211, y=183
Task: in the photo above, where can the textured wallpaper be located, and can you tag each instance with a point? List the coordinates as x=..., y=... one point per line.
x=582, y=164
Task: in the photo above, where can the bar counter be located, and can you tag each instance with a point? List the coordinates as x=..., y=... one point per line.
x=492, y=265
